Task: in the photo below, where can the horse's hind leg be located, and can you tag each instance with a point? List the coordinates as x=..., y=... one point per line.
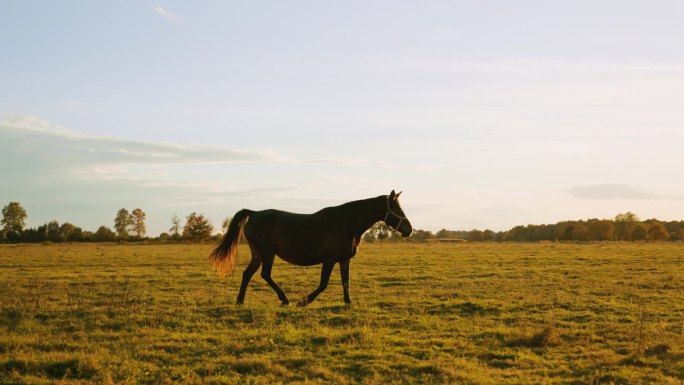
x=247, y=276
x=266, y=275
x=344, y=273
x=325, y=277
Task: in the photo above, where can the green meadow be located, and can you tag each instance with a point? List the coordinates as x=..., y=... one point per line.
x=547, y=313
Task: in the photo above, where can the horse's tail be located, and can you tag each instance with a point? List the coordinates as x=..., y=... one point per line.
x=224, y=255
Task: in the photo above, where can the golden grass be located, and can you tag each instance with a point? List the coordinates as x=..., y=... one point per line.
x=422, y=313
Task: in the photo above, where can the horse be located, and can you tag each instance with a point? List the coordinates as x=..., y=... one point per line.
x=329, y=236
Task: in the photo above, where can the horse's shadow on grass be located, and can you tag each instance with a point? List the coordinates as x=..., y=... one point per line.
x=337, y=309
x=244, y=314
x=231, y=312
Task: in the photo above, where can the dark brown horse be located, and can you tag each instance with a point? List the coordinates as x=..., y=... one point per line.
x=328, y=236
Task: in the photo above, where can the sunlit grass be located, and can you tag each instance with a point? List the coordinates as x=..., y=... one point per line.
x=422, y=313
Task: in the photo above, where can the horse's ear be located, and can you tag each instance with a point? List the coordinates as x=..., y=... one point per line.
x=399, y=193
x=392, y=195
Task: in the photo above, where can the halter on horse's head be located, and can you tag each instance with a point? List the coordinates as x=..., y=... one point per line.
x=395, y=212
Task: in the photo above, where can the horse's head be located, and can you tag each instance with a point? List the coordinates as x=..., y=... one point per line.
x=395, y=217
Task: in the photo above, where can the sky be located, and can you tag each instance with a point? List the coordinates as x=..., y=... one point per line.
x=486, y=114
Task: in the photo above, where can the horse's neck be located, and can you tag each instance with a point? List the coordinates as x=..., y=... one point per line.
x=367, y=212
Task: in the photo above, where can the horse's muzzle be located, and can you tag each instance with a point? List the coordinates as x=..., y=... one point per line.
x=406, y=231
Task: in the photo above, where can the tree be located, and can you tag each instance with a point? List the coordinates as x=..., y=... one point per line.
x=601, y=230
x=122, y=223
x=678, y=235
x=657, y=232
x=137, y=223
x=30, y=235
x=639, y=232
x=676, y=230
x=13, y=221
x=42, y=233
x=175, y=227
x=581, y=231
x=70, y=233
x=421, y=235
x=197, y=228
x=443, y=233
x=104, y=234
x=475, y=236
x=565, y=231
x=624, y=225
x=52, y=231
x=225, y=224
x=378, y=232
x=519, y=234
x=488, y=235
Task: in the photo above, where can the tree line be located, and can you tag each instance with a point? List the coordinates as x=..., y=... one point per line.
x=130, y=226
x=624, y=227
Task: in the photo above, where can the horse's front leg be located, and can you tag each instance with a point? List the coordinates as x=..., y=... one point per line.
x=344, y=273
x=325, y=277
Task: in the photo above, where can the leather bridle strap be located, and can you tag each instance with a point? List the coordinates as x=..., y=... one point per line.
x=398, y=216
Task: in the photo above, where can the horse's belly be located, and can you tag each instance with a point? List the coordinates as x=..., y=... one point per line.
x=301, y=260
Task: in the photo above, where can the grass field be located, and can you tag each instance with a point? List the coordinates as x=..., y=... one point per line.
x=422, y=313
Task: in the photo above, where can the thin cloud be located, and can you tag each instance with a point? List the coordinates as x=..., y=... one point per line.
x=611, y=192
x=167, y=15
x=349, y=162
x=32, y=131
x=37, y=150
x=376, y=62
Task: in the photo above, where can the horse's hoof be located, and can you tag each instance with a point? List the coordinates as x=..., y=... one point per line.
x=285, y=304
x=302, y=303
